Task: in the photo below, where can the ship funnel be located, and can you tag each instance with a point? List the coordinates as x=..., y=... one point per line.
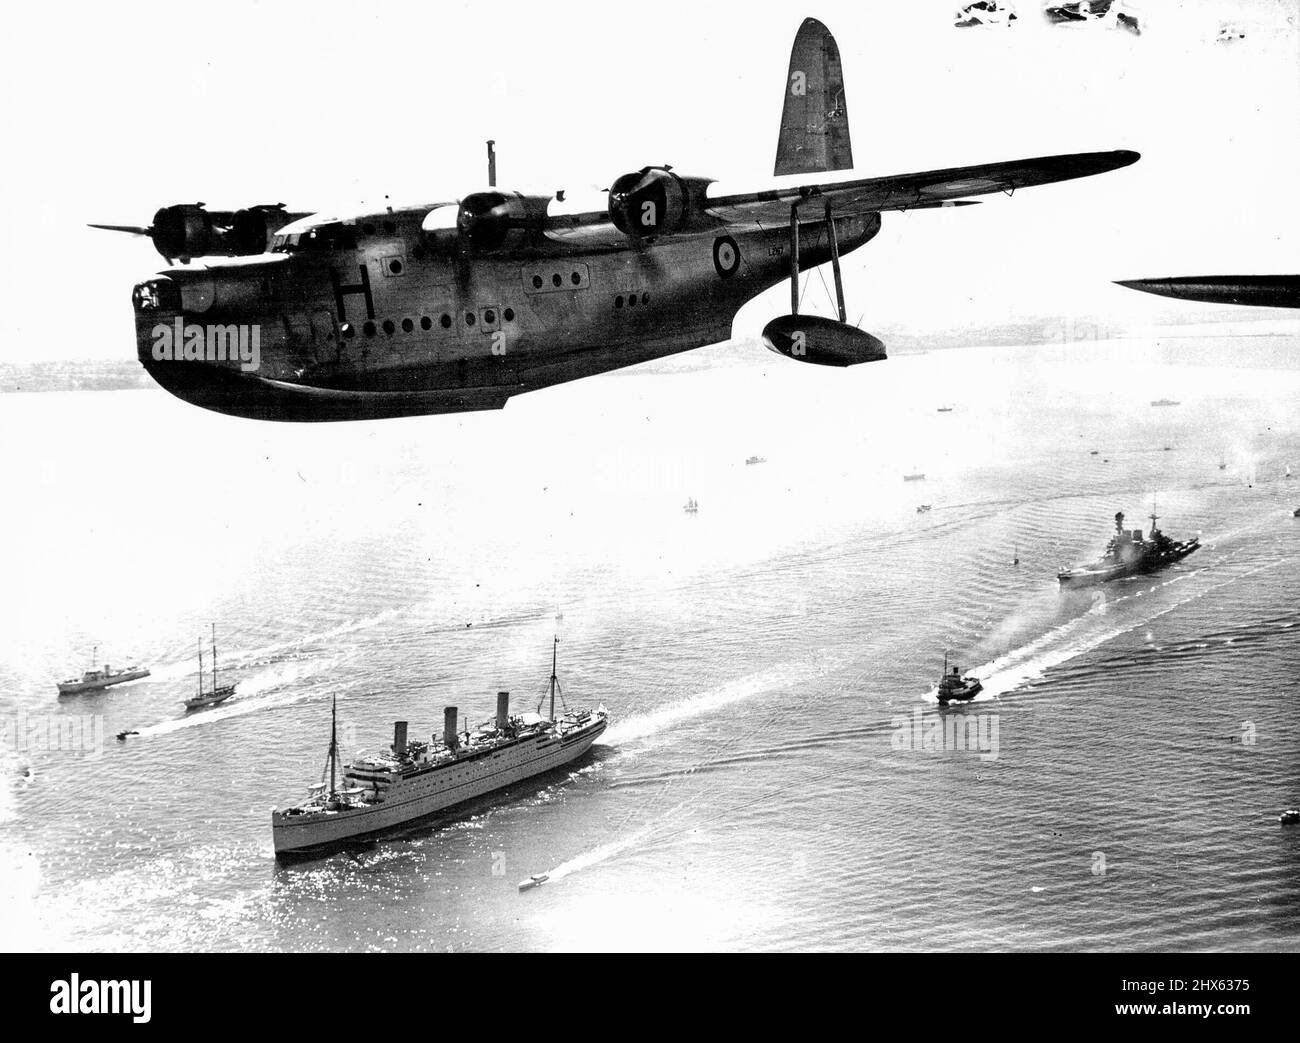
x=449, y=727
x=399, y=739
x=503, y=709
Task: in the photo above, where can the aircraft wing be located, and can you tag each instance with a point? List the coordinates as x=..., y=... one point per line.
x=931, y=188
x=911, y=191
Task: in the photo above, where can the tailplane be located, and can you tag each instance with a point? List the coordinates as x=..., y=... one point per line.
x=815, y=119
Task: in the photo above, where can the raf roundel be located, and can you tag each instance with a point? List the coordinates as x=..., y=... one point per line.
x=726, y=256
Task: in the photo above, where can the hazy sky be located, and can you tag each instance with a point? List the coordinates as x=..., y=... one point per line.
x=110, y=111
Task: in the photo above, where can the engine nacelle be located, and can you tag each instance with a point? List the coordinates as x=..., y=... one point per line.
x=187, y=230
x=650, y=202
x=485, y=218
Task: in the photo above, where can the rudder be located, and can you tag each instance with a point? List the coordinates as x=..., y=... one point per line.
x=815, y=120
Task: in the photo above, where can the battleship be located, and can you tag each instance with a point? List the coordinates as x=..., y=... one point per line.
x=414, y=780
x=1128, y=554
x=95, y=680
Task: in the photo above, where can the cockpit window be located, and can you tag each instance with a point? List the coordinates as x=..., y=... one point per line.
x=335, y=236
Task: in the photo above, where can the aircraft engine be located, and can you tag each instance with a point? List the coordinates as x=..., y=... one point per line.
x=484, y=219
x=647, y=203
x=252, y=229
x=187, y=230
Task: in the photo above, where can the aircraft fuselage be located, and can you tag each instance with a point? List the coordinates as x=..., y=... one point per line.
x=375, y=318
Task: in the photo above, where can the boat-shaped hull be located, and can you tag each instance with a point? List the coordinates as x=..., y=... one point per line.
x=962, y=693
x=218, y=697
x=1089, y=576
x=424, y=795
x=73, y=687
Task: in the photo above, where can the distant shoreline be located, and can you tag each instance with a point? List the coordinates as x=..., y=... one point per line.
x=73, y=375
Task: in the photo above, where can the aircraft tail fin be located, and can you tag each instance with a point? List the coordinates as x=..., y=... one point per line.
x=815, y=120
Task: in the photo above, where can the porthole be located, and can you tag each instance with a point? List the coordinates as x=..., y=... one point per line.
x=618, y=301
x=537, y=282
x=347, y=330
x=426, y=323
x=631, y=300
x=645, y=298
x=395, y=266
x=509, y=315
x=575, y=278
x=389, y=328
x=368, y=329
x=489, y=316
x=407, y=326
x=446, y=322
x=469, y=318
x=556, y=280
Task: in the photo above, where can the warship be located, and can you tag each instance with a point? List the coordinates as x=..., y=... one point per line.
x=95, y=680
x=415, y=780
x=1129, y=554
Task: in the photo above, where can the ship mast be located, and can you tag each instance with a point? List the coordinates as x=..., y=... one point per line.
x=200, y=668
x=334, y=745
x=555, y=647
x=214, y=658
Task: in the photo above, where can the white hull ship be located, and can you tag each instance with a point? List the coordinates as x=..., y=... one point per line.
x=417, y=780
x=96, y=680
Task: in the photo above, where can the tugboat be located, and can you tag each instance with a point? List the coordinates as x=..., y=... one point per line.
x=750, y=461
x=954, y=688
x=96, y=680
x=1128, y=554
x=415, y=780
x=219, y=694
x=691, y=507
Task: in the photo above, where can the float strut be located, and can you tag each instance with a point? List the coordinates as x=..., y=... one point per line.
x=794, y=259
x=835, y=263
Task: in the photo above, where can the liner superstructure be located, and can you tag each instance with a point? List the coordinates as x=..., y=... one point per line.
x=415, y=780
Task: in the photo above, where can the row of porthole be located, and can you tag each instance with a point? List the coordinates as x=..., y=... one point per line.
x=557, y=280
x=631, y=300
x=408, y=325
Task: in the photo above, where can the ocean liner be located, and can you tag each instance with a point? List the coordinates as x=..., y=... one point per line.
x=416, y=780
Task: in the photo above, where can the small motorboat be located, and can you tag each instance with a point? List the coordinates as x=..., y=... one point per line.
x=121, y=736
x=1296, y=513
x=536, y=880
x=955, y=688
x=923, y=509
x=1289, y=817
